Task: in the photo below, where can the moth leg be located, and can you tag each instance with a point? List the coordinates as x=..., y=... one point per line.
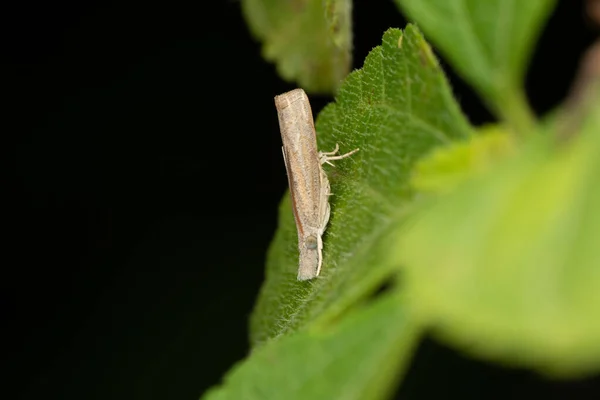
x=324, y=208
x=325, y=216
x=330, y=153
x=327, y=157
x=320, y=250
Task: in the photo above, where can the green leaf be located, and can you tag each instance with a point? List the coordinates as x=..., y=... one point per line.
x=446, y=167
x=489, y=43
x=395, y=109
x=508, y=265
x=308, y=40
x=363, y=356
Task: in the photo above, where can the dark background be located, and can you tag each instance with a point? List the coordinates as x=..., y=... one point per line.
x=144, y=175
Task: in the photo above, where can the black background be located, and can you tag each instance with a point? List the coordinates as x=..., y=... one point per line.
x=144, y=175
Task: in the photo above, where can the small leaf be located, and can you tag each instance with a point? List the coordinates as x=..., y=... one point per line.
x=508, y=265
x=308, y=40
x=488, y=42
x=363, y=356
x=395, y=109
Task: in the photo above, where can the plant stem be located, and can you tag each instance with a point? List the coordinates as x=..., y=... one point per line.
x=512, y=107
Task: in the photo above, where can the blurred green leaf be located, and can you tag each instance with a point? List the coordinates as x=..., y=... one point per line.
x=489, y=43
x=363, y=356
x=395, y=109
x=446, y=167
x=308, y=40
x=508, y=265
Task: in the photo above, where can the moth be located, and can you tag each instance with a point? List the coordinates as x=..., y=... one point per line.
x=309, y=186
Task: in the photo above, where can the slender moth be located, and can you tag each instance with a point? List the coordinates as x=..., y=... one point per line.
x=309, y=186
